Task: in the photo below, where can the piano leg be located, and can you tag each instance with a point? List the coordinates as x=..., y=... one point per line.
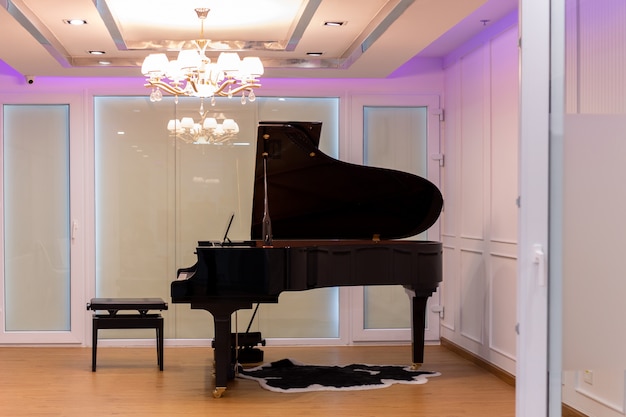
x=222, y=351
x=222, y=319
x=419, y=325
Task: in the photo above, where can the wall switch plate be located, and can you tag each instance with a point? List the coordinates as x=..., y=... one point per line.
x=588, y=376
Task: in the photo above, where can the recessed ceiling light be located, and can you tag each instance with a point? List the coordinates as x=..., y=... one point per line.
x=75, y=22
x=334, y=23
x=315, y=53
x=104, y=62
x=97, y=52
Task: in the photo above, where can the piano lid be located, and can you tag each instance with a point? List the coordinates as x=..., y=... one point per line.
x=314, y=196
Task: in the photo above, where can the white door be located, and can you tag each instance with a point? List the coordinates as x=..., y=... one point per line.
x=41, y=223
x=398, y=133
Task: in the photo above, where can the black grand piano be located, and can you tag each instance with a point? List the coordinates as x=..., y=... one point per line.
x=316, y=222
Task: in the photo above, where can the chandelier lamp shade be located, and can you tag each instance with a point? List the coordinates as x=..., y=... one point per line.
x=207, y=132
x=193, y=73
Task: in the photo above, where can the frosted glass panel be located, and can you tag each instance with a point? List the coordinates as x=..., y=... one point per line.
x=36, y=217
x=158, y=193
x=325, y=110
x=211, y=182
x=394, y=138
x=593, y=197
x=134, y=197
x=314, y=313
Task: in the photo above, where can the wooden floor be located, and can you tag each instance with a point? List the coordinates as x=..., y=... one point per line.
x=57, y=381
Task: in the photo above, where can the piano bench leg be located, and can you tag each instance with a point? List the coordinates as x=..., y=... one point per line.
x=122, y=321
x=94, y=344
x=159, y=343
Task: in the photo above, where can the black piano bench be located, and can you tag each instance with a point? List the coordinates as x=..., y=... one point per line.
x=140, y=320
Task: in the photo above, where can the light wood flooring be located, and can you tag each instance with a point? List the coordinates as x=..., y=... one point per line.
x=57, y=381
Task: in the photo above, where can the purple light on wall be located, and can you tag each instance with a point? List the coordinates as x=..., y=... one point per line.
x=427, y=71
x=417, y=65
x=6, y=69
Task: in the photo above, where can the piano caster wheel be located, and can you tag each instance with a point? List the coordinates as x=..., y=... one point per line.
x=217, y=393
x=416, y=366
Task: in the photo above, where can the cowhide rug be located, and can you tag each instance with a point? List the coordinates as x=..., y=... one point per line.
x=288, y=375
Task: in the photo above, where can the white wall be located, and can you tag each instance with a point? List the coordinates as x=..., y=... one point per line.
x=426, y=79
x=479, y=225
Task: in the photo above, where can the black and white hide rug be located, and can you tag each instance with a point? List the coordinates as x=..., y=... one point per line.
x=288, y=375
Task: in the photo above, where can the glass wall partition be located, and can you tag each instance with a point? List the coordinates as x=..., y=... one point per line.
x=36, y=207
x=588, y=203
x=161, y=187
x=388, y=307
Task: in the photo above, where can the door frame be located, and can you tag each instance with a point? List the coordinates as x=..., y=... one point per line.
x=77, y=183
x=533, y=254
x=354, y=154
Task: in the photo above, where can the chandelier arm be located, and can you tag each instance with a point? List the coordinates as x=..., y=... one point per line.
x=167, y=87
x=247, y=87
x=194, y=87
x=175, y=90
x=226, y=83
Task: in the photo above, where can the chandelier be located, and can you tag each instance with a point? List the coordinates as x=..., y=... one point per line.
x=193, y=74
x=209, y=131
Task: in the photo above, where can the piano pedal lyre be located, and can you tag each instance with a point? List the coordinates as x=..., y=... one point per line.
x=218, y=391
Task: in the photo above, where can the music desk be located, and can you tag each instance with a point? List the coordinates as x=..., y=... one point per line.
x=139, y=320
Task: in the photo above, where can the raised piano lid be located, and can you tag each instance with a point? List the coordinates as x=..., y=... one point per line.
x=314, y=196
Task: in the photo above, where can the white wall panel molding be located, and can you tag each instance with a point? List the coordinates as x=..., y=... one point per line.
x=472, y=150
x=503, y=190
x=472, y=245
x=503, y=241
x=476, y=238
x=478, y=148
x=450, y=289
x=451, y=174
x=473, y=295
x=502, y=305
x=504, y=253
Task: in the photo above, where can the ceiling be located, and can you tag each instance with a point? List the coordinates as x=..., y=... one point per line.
x=374, y=39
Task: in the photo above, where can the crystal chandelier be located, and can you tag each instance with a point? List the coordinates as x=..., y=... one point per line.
x=206, y=132
x=193, y=73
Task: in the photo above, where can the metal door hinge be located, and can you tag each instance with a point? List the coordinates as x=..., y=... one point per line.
x=438, y=309
x=438, y=157
x=440, y=113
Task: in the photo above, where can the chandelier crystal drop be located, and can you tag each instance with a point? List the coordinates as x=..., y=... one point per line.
x=193, y=73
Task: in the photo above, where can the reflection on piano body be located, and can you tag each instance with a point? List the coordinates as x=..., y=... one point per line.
x=333, y=224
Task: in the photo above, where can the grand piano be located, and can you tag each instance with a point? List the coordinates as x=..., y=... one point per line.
x=316, y=222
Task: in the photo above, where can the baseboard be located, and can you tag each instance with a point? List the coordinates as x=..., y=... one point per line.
x=566, y=410
x=477, y=360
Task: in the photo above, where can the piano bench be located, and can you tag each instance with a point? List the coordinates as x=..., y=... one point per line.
x=140, y=320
